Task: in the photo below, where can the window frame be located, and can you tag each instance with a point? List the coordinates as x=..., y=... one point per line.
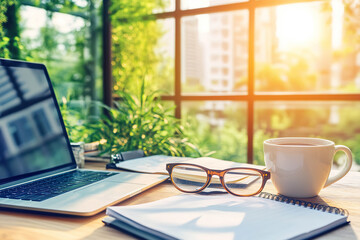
x=250, y=97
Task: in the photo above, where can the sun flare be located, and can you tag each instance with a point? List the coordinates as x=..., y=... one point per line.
x=296, y=25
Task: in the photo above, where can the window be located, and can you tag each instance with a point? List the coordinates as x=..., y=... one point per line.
x=225, y=58
x=288, y=68
x=214, y=70
x=225, y=71
x=225, y=33
x=224, y=19
x=66, y=38
x=3, y=148
x=21, y=131
x=41, y=122
x=225, y=46
x=214, y=82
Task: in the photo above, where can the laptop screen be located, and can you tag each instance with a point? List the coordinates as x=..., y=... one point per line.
x=33, y=138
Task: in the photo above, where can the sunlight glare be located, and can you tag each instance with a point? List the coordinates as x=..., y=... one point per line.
x=189, y=4
x=33, y=19
x=203, y=24
x=337, y=19
x=296, y=25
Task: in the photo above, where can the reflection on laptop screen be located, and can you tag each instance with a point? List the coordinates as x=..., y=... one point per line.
x=31, y=135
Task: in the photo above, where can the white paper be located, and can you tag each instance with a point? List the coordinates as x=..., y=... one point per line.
x=157, y=163
x=192, y=216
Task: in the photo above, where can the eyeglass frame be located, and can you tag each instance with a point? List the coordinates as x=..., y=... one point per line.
x=220, y=173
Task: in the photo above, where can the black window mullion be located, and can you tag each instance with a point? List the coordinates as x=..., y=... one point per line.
x=177, y=93
x=107, y=55
x=251, y=79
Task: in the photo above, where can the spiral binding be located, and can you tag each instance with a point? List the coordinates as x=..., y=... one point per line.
x=306, y=204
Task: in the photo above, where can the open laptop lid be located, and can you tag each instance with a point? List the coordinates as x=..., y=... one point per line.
x=33, y=138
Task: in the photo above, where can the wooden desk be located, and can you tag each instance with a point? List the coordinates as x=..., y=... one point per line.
x=21, y=225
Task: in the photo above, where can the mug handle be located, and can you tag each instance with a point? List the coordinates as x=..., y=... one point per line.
x=345, y=169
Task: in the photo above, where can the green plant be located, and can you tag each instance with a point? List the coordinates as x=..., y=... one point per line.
x=134, y=123
x=74, y=123
x=143, y=123
x=138, y=47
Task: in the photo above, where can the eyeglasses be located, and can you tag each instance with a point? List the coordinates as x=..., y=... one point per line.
x=191, y=178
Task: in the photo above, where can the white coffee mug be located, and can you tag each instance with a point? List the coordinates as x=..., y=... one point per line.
x=300, y=167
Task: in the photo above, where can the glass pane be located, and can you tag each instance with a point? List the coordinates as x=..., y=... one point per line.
x=69, y=47
x=191, y=4
x=307, y=47
x=336, y=121
x=217, y=128
x=215, y=53
x=58, y=41
x=143, y=51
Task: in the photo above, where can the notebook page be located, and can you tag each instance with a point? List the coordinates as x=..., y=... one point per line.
x=192, y=216
x=151, y=164
x=157, y=163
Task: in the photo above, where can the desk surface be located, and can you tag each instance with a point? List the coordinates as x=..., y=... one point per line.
x=20, y=225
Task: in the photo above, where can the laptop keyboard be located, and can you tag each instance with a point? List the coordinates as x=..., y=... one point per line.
x=46, y=188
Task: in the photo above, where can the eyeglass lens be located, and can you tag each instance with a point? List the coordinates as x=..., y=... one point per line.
x=238, y=181
x=189, y=178
x=243, y=181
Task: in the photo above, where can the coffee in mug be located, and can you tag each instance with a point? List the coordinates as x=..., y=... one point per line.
x=300, y=167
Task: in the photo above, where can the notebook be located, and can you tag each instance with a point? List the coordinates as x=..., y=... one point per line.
x=157, y=163
x=37, y=167
x=196, y=216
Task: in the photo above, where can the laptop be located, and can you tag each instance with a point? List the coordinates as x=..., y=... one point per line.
x=37, y=167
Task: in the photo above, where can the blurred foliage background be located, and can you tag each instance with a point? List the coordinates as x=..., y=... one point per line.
x=73, y=57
